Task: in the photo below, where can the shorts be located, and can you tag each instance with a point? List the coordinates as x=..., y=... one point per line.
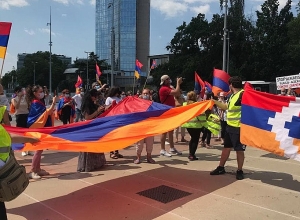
x=232, y=140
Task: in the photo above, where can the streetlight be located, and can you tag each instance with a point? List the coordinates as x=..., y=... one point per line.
x=50, y=63
x=225, y=33
x=112, y=43
x=87, y=69
x=34, y=72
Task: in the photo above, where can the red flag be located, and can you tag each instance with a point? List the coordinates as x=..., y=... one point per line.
x=248, y=86
x=79, y=82
x=138, y=64
x=98, y=71
x=199, y=85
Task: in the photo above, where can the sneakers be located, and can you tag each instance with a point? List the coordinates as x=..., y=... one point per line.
x=24, y=153
x=43, y=173
x=165, y=153
x=239, y=175
x=34, y=176
x=173, y=151
x=218, y=171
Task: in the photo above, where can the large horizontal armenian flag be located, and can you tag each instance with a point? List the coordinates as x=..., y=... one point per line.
x=126, y=123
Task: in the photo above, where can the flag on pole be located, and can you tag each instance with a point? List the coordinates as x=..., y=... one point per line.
x=153, y=64
x=208, y=86
x=4, y=36
x=199, y=85
x=98, y=71
x=79, y=82
x=220, y=81
x=138, y=67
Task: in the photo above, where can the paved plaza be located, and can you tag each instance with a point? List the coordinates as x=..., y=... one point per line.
x=172, y=189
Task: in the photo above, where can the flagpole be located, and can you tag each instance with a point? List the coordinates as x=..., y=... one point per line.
x=147, y=79
x=1, y=69
x=133, y=84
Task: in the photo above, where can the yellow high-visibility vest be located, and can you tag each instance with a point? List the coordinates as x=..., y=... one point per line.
x=5, y=140
x=197, y=122
x=234, y=112
x=214, y=124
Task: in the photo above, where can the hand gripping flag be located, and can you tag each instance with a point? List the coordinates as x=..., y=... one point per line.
x=199, y=85
x=4, y=36
x=220, y=82
x=138, y=67
x=79, y=82
x=114, y=132
x=271, y=122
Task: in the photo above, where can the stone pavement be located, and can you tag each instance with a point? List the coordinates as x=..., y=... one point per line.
x=270, y=189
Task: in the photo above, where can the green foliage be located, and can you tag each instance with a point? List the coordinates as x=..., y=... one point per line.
x=260, y=50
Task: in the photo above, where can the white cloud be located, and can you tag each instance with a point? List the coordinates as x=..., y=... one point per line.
x=6, y=4
x=47, y=31
x=170, y=8
x=67, y=2
x=173, y=8
x=93, y=2
x=201, y=9
x=30, y=32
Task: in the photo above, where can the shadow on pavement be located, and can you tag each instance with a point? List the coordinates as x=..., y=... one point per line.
x=118, y=199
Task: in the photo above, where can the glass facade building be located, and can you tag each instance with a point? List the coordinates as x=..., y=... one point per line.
x=129, y=39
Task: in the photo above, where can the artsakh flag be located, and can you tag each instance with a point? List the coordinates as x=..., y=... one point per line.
x=271, y=122
x=220, y=81
x=79, y=82
x=4, y=36
x=98, y=71
x=199, y=85
x=113, y=132
x=208, y=86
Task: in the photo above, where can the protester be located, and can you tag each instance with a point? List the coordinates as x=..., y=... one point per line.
x=4, y=101
x=179, y=100
x=194, y=127
x=113, y=97
x=77, y=101
x=21, y=110
x=232, y=135
x=48, y=98
x=37, y=108
x=66, y=108
x=5, y=141
x=90, y=161
x=149, y=141
x=166, y=95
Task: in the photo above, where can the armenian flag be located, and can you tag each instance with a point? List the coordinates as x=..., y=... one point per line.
x=220, y=81
x=138, y=67
x=79, y=82
x=208, y=86
x=271, y=122
x=113, y=132
x=4, y=36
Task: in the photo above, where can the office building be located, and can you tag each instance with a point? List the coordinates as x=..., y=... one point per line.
x=131, y=38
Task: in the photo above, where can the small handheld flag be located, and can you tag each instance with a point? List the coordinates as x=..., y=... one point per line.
x=199, y=85
x=79, y=82
x=4, y=36
x=138, y=67
x=98, y=71
x=220, y=81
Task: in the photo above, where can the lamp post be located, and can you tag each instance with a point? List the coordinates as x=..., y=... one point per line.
x=34, y=72
x=112, y=43
x=87, y=69
x=50, y=58
x=225, y=34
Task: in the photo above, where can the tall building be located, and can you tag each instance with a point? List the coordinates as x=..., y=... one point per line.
x=131, y=28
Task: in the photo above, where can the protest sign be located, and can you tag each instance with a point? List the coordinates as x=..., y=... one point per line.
x=286, y=82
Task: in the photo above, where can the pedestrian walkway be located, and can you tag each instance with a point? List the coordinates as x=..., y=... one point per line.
x=172, y=189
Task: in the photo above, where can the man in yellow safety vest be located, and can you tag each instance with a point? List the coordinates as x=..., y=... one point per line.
x=232, y=134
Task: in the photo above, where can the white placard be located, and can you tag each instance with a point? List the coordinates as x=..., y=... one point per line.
x=286, y=82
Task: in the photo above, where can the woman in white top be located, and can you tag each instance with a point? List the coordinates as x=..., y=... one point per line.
x=113, y=95
x=78, y=100
x=21, y=110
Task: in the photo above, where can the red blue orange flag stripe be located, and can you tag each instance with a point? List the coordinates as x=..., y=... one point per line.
x=109, y=133
x=220, y=81
x=4, y=36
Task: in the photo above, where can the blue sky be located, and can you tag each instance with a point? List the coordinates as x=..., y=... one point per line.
x=73, y=24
